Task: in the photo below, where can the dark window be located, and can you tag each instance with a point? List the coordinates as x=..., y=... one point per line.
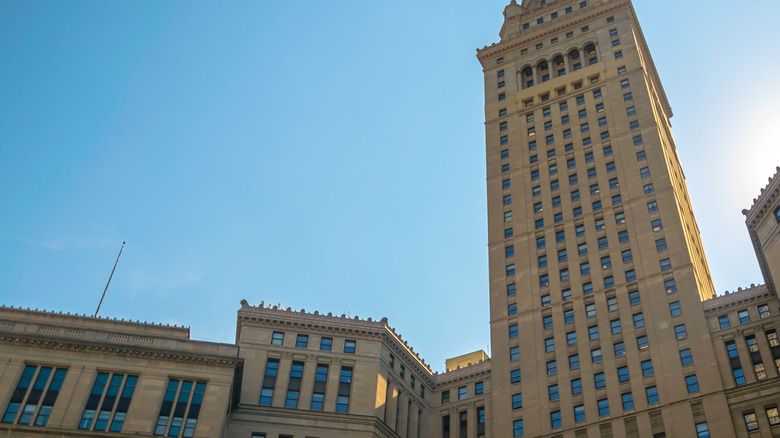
x=349, y=346
x=652, y=395
x=116, y=391
x=181, y=396
x=33, y=399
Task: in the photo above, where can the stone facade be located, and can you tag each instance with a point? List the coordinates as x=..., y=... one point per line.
x=604, y=319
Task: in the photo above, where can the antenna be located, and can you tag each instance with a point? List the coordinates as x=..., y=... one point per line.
x=109, y=279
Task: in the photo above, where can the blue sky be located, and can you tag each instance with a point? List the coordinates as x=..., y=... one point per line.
x=326, y=156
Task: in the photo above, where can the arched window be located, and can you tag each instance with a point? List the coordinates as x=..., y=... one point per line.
x=574, y=57
x=559, y=66
x=590, y=53
x=527, y=77
x=544, y=71
x=574, y=54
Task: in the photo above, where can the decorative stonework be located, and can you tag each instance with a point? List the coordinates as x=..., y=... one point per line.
x=737, y=299
x=764, y=201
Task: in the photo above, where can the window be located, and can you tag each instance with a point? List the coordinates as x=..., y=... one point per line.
x=639, y=319
x=505, y=184
x=685, y=357
x=615, y=326
x=558, y=218
x=647, y=368
x=549, y=345
x=660, y=245
x=590, y=310
x=641, y=156
x=542, y=261
x=555, y=419
x=517, y=428
x=623, y=236
x=692, y=383
x=479, y=388
x=302, y=341
x=593, y=332
x=623, y=375
x=772, y=416
x=515, y=376
x=648, y=189
x=574, y=361
x=511, y=289
x=751, y=422
x=666, y=264
x=502, y=112
x=675, y=309
x=517, y=401
x=508, y=232
x=656, y=225
x=552, y=368
x=771, y=337
x=631, y=111
x=633, y=296
x=671, y=286
x=642, y=343
x=744, y=316
x=560, y=236
x=534, y=175
x=576, y=386
x=763, y=311
x=180, y=397
x=546, y=300
x=512, y=309
x=587, y=288
x=294, y=386
x=553, y=169
x=612, y=305
x=544, y=279
x=502, y=96
x=269, y=381
x=554, y=185
x=644, y=172
x=630, y=275
x=603, y=243
x=595, y=355
x=510, y=270
x=513, y=332
x=547, y=322
x=579, y=230
x=702, y=431
x=652, y=395
x=603, y=407
x=637, y=140
x=752, y=345
x=652, y=207
x=582, y=248
x=509, y=251
x=620, y=349
x=620, y=217
x=571, y=338
x=538, y=207
x=566, y=294
x=739, y=376
x=568, y=316
x=606, y=262
x=573, y=181
x=277, y=338
x=564, y=275
x=113, y=410
x=345, y=385
x=552, y=392
x=33, y=399
x=679, y=332
x=461, y=393
x=514, y=353
x=616, y=199
x=619, y=54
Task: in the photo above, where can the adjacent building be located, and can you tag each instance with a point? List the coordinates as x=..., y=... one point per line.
x=604, y=319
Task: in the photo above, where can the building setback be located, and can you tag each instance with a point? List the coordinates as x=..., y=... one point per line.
x=604, y=319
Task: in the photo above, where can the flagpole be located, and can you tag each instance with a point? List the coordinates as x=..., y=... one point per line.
x=109, y=279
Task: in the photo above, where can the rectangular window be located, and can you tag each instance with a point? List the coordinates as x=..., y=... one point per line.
x=517, y=428
x=666, y=264
x=763, y=311
x=702, y=430
x=345, y=387
x=512, y=309
x=642, y=343
x=652, y=395
x=603, y=407
x=115, y=391
x=639, y=320
x=648, y=189
x=269, y=381
x=514, y=353
x=671, y=286
x=33, y=399
x=571, y=338
x=620, y=349
x=574, y=361
x=587, y=288
x=675, y=309
x=685, y=357
x=615, y=326
x=552, y=368
x=595, y=355
x=633, y=296
x=479, y=388
x=555, y=419
x=679, y=332
x=277, y=338
x=600, y=380
x=772, y=416
x=302, y=341
x=647, y=368
x=576, y=386
x=515, y=376
x=349, y=346
x=461, y=393
x=181, y=397
x=744, y=316
x=294, y=385
x=692, y=383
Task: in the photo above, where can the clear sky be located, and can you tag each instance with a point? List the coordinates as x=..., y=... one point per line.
x=323, y=155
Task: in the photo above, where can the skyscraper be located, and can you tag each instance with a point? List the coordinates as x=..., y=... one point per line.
x=597, y=270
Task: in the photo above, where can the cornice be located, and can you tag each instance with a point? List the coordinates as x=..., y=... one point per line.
x=761, y=205
x=737, y=299
x=136, y=352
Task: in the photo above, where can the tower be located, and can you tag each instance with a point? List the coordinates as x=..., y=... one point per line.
x=597, y=270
